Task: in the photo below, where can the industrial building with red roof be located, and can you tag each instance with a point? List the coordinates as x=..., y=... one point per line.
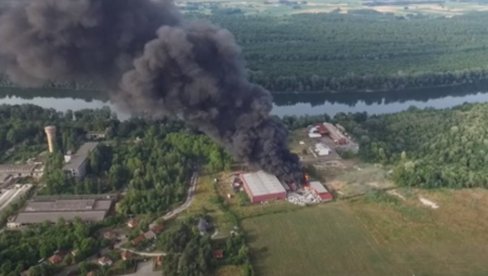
x=335, y=134
x=261, y=186
x=320, y=190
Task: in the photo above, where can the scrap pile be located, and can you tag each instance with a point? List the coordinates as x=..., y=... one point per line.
x=303, y=197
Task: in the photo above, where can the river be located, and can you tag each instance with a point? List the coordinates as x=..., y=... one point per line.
x=284, y=104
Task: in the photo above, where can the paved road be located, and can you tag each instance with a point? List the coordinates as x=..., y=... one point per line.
x=145, y=269
x=146, y=254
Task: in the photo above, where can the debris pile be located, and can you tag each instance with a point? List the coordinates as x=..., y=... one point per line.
x=303, y=197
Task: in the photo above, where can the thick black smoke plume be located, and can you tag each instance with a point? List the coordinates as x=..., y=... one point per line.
x=157, y=63
x=78, y=40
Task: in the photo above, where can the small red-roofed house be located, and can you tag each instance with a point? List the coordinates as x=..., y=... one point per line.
x=126, y=255
x=56, y=259
x=138, y=240
x=157, y=229
x=218, y=254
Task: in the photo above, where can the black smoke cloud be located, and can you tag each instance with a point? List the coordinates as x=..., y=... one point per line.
x=157, y=64
x=78, y=40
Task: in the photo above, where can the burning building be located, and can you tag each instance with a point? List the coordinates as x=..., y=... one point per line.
x=320, y=190
x=261, y=186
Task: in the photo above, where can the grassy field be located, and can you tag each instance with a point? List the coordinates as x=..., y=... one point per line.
x=382, y=235
x=229, y=270
x=356, y=178
x=207, y=201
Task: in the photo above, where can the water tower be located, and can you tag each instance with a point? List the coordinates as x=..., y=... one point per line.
x=51, y=137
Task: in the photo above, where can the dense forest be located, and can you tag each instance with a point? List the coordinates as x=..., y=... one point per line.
x=360, y=50
x=159, y=169
x=428, y=148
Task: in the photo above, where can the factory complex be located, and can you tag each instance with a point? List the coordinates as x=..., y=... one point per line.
x=40, y=209
x=263, y=187
x=326, y=142
x=12, y=187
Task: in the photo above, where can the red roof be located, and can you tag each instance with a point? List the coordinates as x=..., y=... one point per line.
x=138, y=240
x=157, y=229
x=158, y=260
x=218, y=254
x=322, y=129
x=55, y=259
x=125, y=255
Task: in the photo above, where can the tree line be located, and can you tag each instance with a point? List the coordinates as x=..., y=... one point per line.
x=427, y=148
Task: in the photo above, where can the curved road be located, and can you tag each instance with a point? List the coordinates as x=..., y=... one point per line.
x=189, y=199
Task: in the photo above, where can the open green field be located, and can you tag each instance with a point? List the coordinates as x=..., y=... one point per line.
x=381, y=236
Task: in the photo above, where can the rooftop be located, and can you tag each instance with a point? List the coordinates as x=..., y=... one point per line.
x=23, y=168
x=61, y=205
x=149, y=235
x=262, y=183
x=52, y=209
x=105, y=261
x=136, y=241
x=203, y=225
x=55, y=259
x=318, y=187
x=39, y=217
x=80, y=156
